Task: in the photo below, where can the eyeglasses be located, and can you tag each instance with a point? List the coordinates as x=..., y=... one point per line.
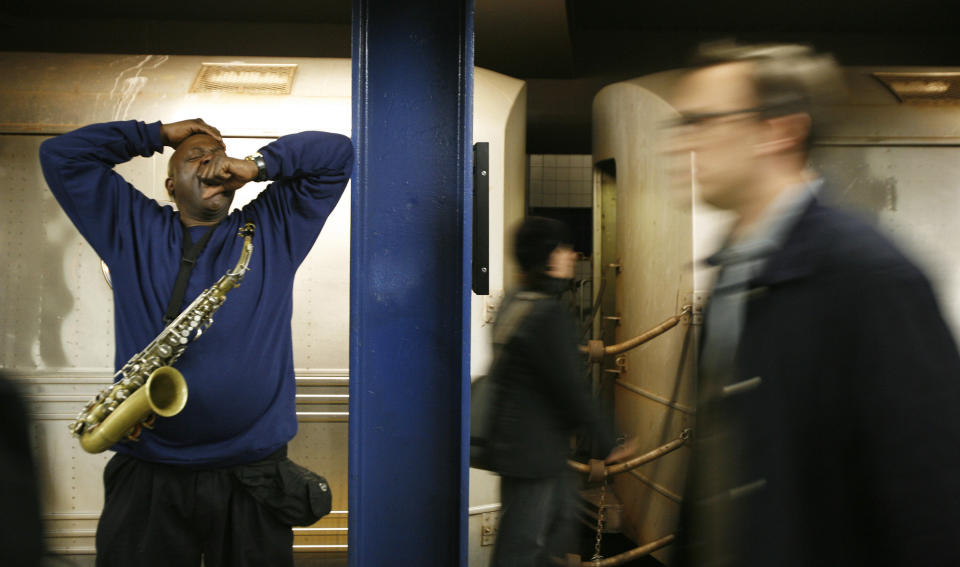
x=688, y=119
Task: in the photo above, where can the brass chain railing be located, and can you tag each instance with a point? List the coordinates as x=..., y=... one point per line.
x=600, y=510
x=597, y=350
x=572, y=560
x=598, y=470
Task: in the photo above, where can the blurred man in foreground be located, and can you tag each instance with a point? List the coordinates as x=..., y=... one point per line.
x=827, y=430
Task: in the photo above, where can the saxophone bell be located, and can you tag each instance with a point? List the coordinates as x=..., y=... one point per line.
x=166, y=391
x=164, y=394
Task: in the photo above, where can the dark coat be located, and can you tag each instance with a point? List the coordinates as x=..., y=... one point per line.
x=846, y=411
x=541, y=396
x=21, y=531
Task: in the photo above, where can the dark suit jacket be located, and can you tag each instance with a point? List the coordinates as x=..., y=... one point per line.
x=846, y=411
x=541, y=396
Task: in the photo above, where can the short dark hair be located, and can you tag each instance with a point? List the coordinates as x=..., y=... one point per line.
x=536, y=238
x=787, y=78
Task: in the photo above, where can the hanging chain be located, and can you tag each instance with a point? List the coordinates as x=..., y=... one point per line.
x=603, y=496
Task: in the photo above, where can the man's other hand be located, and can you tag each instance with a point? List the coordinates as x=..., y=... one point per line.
x=176, y=132
x=224, y=173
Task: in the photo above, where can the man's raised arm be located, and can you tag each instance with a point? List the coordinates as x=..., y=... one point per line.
x=78, y=167
x=311, y=170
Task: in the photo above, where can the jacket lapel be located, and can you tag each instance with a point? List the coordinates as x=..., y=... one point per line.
x=798, y=256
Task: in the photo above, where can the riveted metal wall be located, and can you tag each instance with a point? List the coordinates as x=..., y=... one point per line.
x=409, y=305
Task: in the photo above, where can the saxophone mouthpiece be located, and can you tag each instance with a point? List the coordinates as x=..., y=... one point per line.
x=248, y=229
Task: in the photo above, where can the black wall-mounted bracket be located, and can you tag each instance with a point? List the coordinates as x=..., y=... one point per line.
x=481, y=218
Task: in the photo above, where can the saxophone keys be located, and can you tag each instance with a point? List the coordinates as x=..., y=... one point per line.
x=133, y=434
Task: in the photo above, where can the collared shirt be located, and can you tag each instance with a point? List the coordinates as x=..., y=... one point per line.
x=741, y=261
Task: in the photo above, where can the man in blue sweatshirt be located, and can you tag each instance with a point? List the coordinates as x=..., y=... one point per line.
x=173, y=496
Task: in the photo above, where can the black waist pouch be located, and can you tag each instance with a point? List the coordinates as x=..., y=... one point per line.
x=296, y=495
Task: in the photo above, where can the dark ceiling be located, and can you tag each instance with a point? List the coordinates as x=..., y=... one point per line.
x=566, y=50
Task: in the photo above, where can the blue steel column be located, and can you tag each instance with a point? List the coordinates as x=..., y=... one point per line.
x=410, y=282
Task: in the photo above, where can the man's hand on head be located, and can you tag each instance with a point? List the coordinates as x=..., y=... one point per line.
x=176, y=132
x=224, y=173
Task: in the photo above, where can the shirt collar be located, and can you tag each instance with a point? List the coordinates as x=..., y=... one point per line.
x=770, y=232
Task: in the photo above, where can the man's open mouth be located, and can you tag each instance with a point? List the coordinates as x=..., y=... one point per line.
x=205, y=189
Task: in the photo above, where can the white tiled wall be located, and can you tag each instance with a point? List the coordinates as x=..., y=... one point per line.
x=560, y=180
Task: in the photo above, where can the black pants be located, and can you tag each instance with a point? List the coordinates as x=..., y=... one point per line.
x=536, y=521
x=167, y=516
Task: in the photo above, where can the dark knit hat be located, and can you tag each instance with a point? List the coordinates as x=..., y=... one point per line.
x=535, y=239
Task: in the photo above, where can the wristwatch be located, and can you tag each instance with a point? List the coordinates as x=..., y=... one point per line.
x=261, y=166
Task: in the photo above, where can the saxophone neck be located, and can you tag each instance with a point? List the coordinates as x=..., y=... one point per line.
x=243, y=264
x=232, y=278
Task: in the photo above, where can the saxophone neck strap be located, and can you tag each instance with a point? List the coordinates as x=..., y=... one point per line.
x=190, y=252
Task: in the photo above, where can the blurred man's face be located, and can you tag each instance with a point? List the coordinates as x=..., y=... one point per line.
x=717, y=134
x=562, y=263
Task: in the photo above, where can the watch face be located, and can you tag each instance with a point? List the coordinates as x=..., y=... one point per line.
x=261, y=166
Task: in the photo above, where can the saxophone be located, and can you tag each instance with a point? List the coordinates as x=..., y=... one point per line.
x=150, y=386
